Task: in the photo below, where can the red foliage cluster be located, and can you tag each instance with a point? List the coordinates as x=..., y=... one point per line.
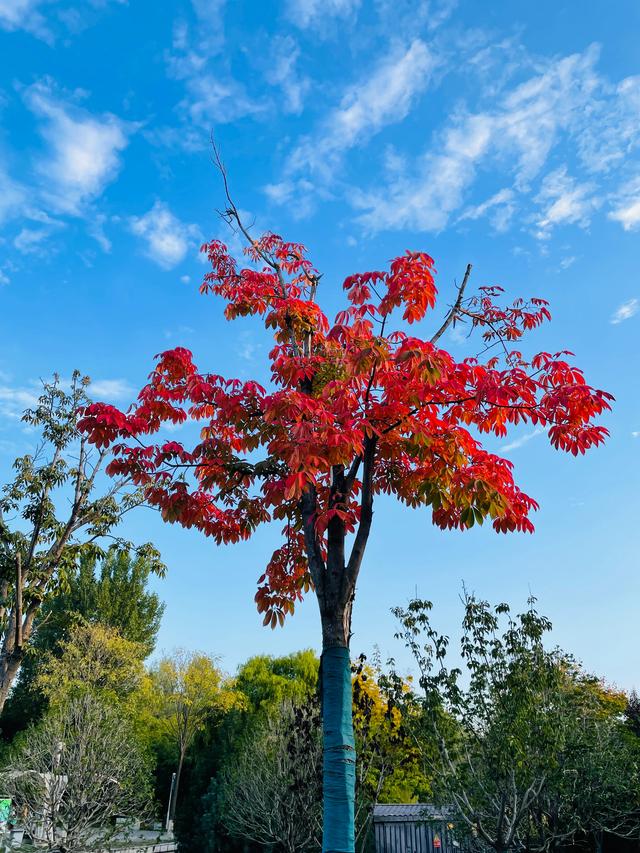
x=334, y=385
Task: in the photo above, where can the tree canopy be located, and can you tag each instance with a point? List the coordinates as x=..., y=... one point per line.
x=356, y=407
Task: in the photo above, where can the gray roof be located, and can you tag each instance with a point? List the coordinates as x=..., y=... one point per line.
x=408, y=812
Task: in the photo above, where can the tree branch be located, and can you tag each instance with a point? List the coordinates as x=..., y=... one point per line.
x=455, y=309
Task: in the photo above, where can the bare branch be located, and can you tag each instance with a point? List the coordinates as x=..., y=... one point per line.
x=455, y=308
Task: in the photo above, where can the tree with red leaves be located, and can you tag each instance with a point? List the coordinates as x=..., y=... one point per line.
x=356, y=407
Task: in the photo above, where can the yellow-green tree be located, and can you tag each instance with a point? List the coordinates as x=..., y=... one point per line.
x=176, y=699
x=96, y=659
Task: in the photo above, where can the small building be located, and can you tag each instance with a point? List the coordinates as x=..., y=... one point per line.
x=413, y=828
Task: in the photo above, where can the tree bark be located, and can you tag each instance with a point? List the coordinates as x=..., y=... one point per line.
x=174, y=793
x=9, y=668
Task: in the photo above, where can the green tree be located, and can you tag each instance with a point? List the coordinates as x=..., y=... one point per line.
x=389, y=768
x=267, y=681
x=264, y=683
x=268, y=791
x=531, y=752
x=96, y=659
x=177, y=697
x=632, y=713
x=111, y=591
x=51, y=513
x=271, y=792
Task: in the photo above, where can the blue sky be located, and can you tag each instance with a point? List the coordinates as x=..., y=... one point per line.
x=502, y=134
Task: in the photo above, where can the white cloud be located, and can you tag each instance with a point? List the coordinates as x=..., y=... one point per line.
x=564, y=201
x=95, y=229
x=307, y=13
x=518, y=442
x=625, y=311
x=212, y=96
x=628, y=215
x=28, y=240
x=13, y=401
x=24, y=15
x=13, y=197
x=281, y=71
x=110, y=389
x=501, y=205
x=300, y=196
x=426, y=201
x=384, y=97
x=168, y=239
x=4, y=278
x=627, y=209
x=84, y=150
x=516, y=135
x=210, y=18
x=610, y=128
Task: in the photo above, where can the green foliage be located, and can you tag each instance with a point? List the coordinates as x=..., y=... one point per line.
x=177, y=699
x=263, y=683
x=53, y=515
x=267, y=682
x=95, y=659
x=632, y=713
x=179, y=694
x=113, y=592
x=530, y=748
x=389, y=766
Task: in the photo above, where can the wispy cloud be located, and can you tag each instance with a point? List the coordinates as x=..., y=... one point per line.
x=167, y=239
x=110, y=389
x=13, y=197
x=385, y=96
x=13, y=401
x=564, y=201
x=282, y=71
x=517, y=136
x=28, y=15
x=310, y=13
x=625, y=311
x=626, y=209
x=83, y=153
x=519, y=442
x=212, y=94
x=501, y=206
x=25, y=15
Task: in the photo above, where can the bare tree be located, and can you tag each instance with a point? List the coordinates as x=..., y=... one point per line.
x=50, y=513
x=273, y=792
x=74, y=773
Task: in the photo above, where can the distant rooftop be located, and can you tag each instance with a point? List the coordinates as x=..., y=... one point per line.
x=409, y=812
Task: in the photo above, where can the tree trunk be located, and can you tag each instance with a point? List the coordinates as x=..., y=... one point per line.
x=339, y=753
x=9, y=668
x=174, y=793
